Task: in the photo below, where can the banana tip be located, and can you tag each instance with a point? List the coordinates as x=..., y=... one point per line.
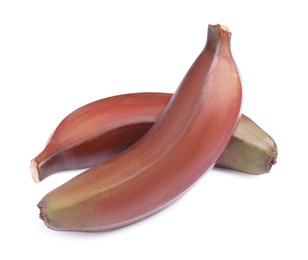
x=41, y=215
x=34, y=171
x=272, y=161
x=221, y=27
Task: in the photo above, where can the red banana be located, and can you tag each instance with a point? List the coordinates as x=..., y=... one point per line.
x=168, y=160
x=99, y=130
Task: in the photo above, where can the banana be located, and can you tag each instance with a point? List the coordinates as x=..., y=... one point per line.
x=99, y=130
x=168, y=160
x=251, y=149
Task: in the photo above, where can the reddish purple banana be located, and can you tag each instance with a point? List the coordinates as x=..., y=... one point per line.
x=99, y=130
x=168, y=160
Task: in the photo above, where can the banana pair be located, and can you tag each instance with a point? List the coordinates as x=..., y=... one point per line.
x=145, y=150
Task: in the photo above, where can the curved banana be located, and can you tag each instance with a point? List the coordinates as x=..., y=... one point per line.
x=251, y=149
x=99, y=130
x=168, y=160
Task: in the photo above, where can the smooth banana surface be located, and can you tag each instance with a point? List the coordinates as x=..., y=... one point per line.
x=168, y=160
x=251, y=150
x=118, y=122
x=98, y=131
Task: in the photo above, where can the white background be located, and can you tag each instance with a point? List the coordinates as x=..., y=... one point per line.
x=58, y=55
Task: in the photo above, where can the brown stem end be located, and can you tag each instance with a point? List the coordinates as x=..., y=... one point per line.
x=34, y=171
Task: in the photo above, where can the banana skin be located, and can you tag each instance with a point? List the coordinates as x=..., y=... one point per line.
x=98, y=131
x=168, y=160
x=251, y=149
x=118, y=122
